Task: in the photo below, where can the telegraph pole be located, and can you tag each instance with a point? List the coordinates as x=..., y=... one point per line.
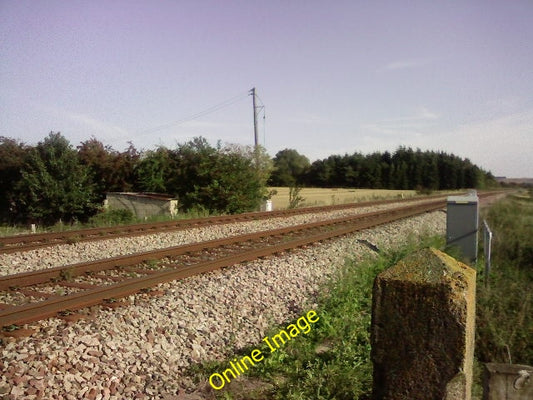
x=256, y=136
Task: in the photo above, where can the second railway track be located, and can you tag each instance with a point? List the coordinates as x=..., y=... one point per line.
x=46, y=293
x=25, y=242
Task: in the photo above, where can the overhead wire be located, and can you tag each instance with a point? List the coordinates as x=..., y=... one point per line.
x=200, y=114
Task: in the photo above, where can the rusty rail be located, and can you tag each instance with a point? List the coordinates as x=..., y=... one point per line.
x=25, y=242
x=16, y=315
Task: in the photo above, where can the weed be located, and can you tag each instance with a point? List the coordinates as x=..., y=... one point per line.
x=333, y=360
x=72, y=240
x=11, y=328
x=505, y=307
x=295, y=200
x=66, y=274
x=112, y=217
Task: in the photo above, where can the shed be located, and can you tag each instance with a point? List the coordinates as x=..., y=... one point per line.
x=143, y=205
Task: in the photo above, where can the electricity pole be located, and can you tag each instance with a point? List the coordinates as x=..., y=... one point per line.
x=256, y=137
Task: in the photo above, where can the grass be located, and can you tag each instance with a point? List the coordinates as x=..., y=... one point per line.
x=333, y=360
x=281, y=200
x=102, y=219
x=8, y=230
x=505, y=308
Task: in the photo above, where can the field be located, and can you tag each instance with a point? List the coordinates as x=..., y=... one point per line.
x=324, y=197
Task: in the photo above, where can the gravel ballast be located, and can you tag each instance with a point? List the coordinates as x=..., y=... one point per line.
x=65, y=254
x=141, y=351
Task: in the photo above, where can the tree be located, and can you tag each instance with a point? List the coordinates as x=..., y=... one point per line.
x=12, y=155
x=54, y=184
x=110, y=170
x=101, y=162
x=228, y=179
x=154, y=170
x=125, y=164
x=430, y=176
x=289, y=168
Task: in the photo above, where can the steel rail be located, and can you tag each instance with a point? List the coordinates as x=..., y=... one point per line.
x=44, y=275
x=17, y=315
x=31, y=241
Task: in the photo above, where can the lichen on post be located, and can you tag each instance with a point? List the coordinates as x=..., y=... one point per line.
x=423, y=318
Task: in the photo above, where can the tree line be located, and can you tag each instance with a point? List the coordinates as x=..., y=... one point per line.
x=404, y=169
x=54, y=181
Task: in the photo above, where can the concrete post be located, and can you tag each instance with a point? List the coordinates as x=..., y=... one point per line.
x=508, y=382
x=423, y=317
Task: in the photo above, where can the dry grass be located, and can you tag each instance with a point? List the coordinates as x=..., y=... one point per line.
x=324, y=197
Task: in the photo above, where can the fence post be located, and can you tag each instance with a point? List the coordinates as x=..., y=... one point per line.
x=423, y=317
x=487, y=244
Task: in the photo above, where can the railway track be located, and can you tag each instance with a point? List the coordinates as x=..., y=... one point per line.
x=38, y=295
x=17, y=243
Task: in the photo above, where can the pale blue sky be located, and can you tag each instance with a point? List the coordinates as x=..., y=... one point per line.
x=335, y=76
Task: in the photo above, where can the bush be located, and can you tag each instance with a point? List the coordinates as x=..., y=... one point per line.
x=113, y=217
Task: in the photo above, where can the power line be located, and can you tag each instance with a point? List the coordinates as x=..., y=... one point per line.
x=200, y=114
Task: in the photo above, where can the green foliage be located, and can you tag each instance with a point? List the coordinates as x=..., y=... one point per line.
x=154, y=170
x=12, y=155
x=229, y=179
x=405, y=169
x=110, y=170
x=54, y=185
x=295, y=200
x=512, y=222
x=52, y=181
x=112, y=217
x=505, y=307
x=333, y=360
x=289, y=168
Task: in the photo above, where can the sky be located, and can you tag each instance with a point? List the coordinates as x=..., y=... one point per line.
x=334, y=77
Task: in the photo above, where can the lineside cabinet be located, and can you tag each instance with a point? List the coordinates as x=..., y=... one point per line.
x=462, y=221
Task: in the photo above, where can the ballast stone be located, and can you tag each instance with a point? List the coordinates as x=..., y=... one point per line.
x=423, y=318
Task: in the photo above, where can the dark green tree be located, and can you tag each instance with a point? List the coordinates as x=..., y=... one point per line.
x=12, y=155
x=154, y=171
x=289, y=168
x=228, y=179
x=101, y=162
x=125, y=164
x=54, y=184
x=404, y=169
x=110, y=170
x=430, y=174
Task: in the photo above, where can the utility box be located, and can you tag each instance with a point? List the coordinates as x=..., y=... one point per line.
x=462, y=223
